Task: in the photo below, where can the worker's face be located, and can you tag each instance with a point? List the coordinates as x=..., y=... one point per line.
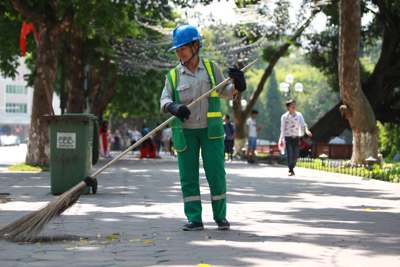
x=185, y=52
x=292, y=107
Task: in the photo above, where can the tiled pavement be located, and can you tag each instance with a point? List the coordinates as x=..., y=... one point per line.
x=311, y=219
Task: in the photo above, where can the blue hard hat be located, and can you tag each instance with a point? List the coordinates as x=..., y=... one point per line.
x=184, y=34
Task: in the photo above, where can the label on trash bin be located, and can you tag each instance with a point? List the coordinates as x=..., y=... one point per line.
x=66, y=140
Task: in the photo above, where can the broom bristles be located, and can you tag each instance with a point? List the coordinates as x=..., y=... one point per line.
x=29, y=226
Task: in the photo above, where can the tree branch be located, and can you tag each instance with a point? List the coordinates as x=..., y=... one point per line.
x=391, y=23
x=30, y=12
x=67, y=19
x=105, y=95
x=97, y=79
x=277, y=56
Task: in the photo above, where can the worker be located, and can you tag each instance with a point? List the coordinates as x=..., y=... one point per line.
x=199, y=126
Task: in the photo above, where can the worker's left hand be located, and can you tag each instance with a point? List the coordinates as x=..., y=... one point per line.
x=239, y=81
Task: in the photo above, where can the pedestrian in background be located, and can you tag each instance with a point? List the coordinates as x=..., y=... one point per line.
x=251, y=130
x=166, y=137
x=291, y=124
x=134, y=136
x=110, y=141
x=144, y=131
x=230, y=134
x=104, y=149
x=117, y=140
x=337, y=140
x=157, y=139
x=124, y=132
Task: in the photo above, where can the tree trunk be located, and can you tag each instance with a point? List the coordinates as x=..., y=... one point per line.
x=103, y=96
x=38, y=153
x=380, y=86
x=46, y=62
x=356, y=106
x=76, y=80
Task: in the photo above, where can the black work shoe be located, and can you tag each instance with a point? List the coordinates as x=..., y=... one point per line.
x=193, y=226
x=223, y=224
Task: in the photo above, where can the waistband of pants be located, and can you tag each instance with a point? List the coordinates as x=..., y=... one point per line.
x=291, y=137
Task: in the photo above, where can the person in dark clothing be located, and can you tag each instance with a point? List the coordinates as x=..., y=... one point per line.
x=144, y=131
x=304, y=148
x=230, y=134
x=157, y=139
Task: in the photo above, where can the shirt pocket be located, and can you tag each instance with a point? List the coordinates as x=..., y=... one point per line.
x=185, y=94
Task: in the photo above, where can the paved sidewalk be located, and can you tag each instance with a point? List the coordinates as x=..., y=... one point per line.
x=311, y=219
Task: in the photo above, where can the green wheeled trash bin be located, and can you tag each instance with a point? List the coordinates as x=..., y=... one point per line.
x=74, y=148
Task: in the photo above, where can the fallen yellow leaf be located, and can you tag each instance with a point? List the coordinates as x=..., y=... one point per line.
x=65, y=240
x=99, y=235
x=25, y=179
x=105, y=241
x=343, y=239
x=366, y=245
x=249, y=182
x=83, y=240
x=144, y=235
x=378, y=209
x=70, y=248
x=148, y=241
x=368, y=209
x=134, y=240
x=292, y=235
x=37, y=244
x=203, y=265
x=111, y=237
x=208, y=237
x=167, y=238
x=117, y=233
x=101, y=246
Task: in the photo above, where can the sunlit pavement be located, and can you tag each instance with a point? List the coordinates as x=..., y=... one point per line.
x=10, y=155
x=311, y=219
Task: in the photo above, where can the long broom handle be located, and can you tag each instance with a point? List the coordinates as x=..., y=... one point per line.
x=47, y=91
x=169, y=120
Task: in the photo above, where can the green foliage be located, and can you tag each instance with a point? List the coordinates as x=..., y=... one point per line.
x=22, y=167
x=317, y=97
x=389, y=139
x=322, y=49
x=138, y=96
x=10, y=28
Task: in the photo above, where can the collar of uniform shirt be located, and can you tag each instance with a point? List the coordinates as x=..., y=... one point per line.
x=186, y=70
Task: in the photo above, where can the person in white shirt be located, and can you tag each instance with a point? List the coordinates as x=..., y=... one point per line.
x=251, y=131
x=166, y=137
x=291, y=124
x=135, y=136
x=337, y=140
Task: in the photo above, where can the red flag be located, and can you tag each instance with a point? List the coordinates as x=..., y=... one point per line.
x=26, y=29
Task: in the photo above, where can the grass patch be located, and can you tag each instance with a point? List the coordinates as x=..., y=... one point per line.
x=22, y=167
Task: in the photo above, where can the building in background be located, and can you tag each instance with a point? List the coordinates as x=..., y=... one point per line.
x=16, y=104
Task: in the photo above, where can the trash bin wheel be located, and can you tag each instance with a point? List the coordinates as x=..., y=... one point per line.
x=94, y=186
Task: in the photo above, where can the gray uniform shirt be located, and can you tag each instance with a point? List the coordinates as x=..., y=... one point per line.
x=192, y=86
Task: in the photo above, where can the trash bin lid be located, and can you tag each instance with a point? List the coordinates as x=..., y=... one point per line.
x=71, y=117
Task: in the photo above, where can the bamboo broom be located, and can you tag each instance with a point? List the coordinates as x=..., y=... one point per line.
x=29, y=226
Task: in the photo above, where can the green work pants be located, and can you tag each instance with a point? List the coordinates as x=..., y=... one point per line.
x=212, y=152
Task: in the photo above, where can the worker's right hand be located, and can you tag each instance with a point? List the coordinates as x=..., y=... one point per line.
x=179, y=110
